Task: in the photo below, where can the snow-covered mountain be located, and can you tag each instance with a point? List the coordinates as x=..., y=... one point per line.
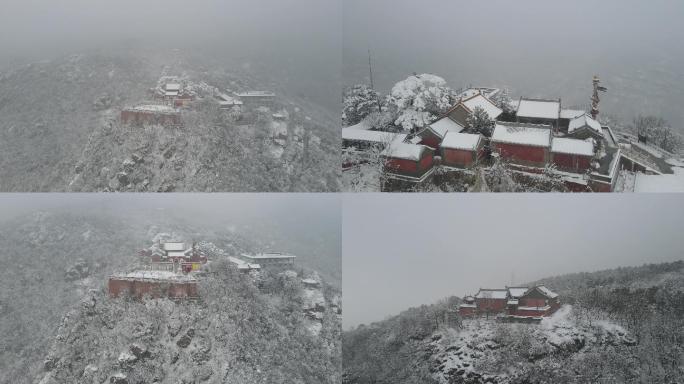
x=54, y=306
x=621, y=325
x=60, y=130
x=243, y=329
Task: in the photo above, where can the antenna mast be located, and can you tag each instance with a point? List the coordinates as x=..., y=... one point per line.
x=595, y=96
x=370, y=69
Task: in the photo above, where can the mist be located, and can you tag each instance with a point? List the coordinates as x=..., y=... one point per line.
x=299, y=40
x=401, y=251
x=534, y=48
x=307, y=225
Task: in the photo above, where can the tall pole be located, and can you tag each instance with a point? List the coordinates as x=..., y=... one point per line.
x=370, y=69
x=370, y=72
x=595, y=97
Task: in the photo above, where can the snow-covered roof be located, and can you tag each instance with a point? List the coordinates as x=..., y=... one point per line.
x=310, y=281
x=256, y=94
x=351, y=133
x=571, y=113
x=660, y=183
x=538, y=135
x=470, y=91
x=572, y=146
x=544, y=308
x=492, y=294
x=467, y=306
x=444, y=125
x=539, y=108
x=584, y=121
x=466, y=141
x=175, y=253
x=481, y=101
x=157, y=108
x=173, y=246
x=272, y=255
x=547, y=292
x=228, y=100
x=172, y=87
x=154, y=275
x=243, y=264
x=407, y=151
x=517, y=291
x=171, y=93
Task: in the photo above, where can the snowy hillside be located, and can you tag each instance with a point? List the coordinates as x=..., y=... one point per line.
x=241, y=330
x=55, y=262
x=60, y=130
x=621, y=325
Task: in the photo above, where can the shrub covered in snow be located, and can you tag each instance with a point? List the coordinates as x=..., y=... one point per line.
x=419, y=100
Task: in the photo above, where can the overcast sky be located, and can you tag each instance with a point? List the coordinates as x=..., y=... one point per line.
x=298, y=41
x=289, y=208
x=404, y=250
x=536, y=48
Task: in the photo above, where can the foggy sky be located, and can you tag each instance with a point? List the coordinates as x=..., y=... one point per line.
x=536, y=48
x=404, y=250
x=292, y=208
x=302, y=36
x=31, y=25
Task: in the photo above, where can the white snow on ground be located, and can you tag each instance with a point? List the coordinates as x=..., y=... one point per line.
x=313, y=297
x=154, y=108
x=459, y=353
x=660, y=183
x=278, y=128
x=648, y=148
x=675, y=162
x=362, y=125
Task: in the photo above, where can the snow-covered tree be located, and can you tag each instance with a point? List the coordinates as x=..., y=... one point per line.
x=655, y=130
x=418, y=100
x=359, y=101
x=503, y=100
x=500, y=177
x=480, y=122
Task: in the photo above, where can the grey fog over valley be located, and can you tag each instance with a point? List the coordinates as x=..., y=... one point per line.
x=164, y=96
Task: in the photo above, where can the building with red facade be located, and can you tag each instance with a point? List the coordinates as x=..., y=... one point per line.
x=584, y=127
x=172, y=256
x=466, y=107
x=511, y=302
x=572, y=155
x=524, y=144
x=153, y=284
x=462, y=150
x=406, y=161
x=539, y=111
x=434, y=134
x=151, y=114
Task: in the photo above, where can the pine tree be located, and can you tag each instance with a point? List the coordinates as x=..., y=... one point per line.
x=359, y=101
x=480, y=122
